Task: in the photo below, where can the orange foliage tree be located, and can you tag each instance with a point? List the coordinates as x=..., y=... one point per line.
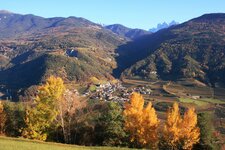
x=142, y=123
x=190, y=132
x=178, y=132
x=172, y=127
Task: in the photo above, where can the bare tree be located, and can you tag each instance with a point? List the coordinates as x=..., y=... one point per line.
x=69, y=107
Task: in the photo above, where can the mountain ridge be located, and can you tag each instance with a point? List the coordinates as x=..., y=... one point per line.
x=163, y=25
x=12, y=25
x=181, y=51
x=129, y=33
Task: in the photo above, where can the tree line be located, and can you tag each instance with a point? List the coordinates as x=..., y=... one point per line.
x=57, y=114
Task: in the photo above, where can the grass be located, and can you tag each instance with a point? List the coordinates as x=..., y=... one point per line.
x=197, y=102
x=201, y=102
x=92, y=88
x=211, y=100
x=7, y=143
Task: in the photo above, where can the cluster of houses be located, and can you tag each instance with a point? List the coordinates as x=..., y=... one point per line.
x=115, y=92
x=6, y=94
x=110, y=92
x=143, y=90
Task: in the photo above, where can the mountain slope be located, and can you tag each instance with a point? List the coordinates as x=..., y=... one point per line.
x=13, y=25
x=126, y=32
x=72, y=48
x=194, y=49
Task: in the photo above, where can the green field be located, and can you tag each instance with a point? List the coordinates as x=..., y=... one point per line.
x=201, y=102
x=214, y=101
x=23, y=144
x=196, y=102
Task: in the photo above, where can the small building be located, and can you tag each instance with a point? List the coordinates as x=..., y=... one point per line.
x=71, y=53
x=196, y=97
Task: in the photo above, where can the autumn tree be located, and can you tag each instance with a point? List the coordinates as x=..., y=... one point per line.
x=44, y=111
x=2, y=118
x=190, y=132
x=178, y=132
x=172, y=128
x=140, y=122
x=150, y=124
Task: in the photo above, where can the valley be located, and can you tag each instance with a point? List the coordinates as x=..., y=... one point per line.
x=101, y=67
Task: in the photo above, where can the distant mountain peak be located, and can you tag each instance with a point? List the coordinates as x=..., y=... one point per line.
x=163, y=26
x=124, y=31
x=173, y=23
x=5, y=12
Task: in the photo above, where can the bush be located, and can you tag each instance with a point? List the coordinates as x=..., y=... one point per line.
x=15, y=113
x=206, y=132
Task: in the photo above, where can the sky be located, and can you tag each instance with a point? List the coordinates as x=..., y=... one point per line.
x=143, y=14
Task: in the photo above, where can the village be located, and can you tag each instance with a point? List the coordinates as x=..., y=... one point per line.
x=114, y=92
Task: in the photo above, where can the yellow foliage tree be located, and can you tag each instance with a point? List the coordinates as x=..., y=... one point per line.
x=39, y=118
x=172, y=127
x=140, y=122
x=133, y=113
x=178, y=132
x=94, y=80
x=190, y=132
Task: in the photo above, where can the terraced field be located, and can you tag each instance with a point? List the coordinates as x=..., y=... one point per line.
x=184, y=91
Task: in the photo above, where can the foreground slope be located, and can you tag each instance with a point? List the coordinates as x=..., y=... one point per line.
x=194, y=49
x=22, y=144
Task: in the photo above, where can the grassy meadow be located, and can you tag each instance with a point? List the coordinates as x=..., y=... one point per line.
x=7, y=143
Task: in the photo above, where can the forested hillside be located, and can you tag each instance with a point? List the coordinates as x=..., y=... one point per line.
x=194, y=49
x=32, y=48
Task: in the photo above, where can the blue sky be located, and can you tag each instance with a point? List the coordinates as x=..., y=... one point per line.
x=132, y=13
